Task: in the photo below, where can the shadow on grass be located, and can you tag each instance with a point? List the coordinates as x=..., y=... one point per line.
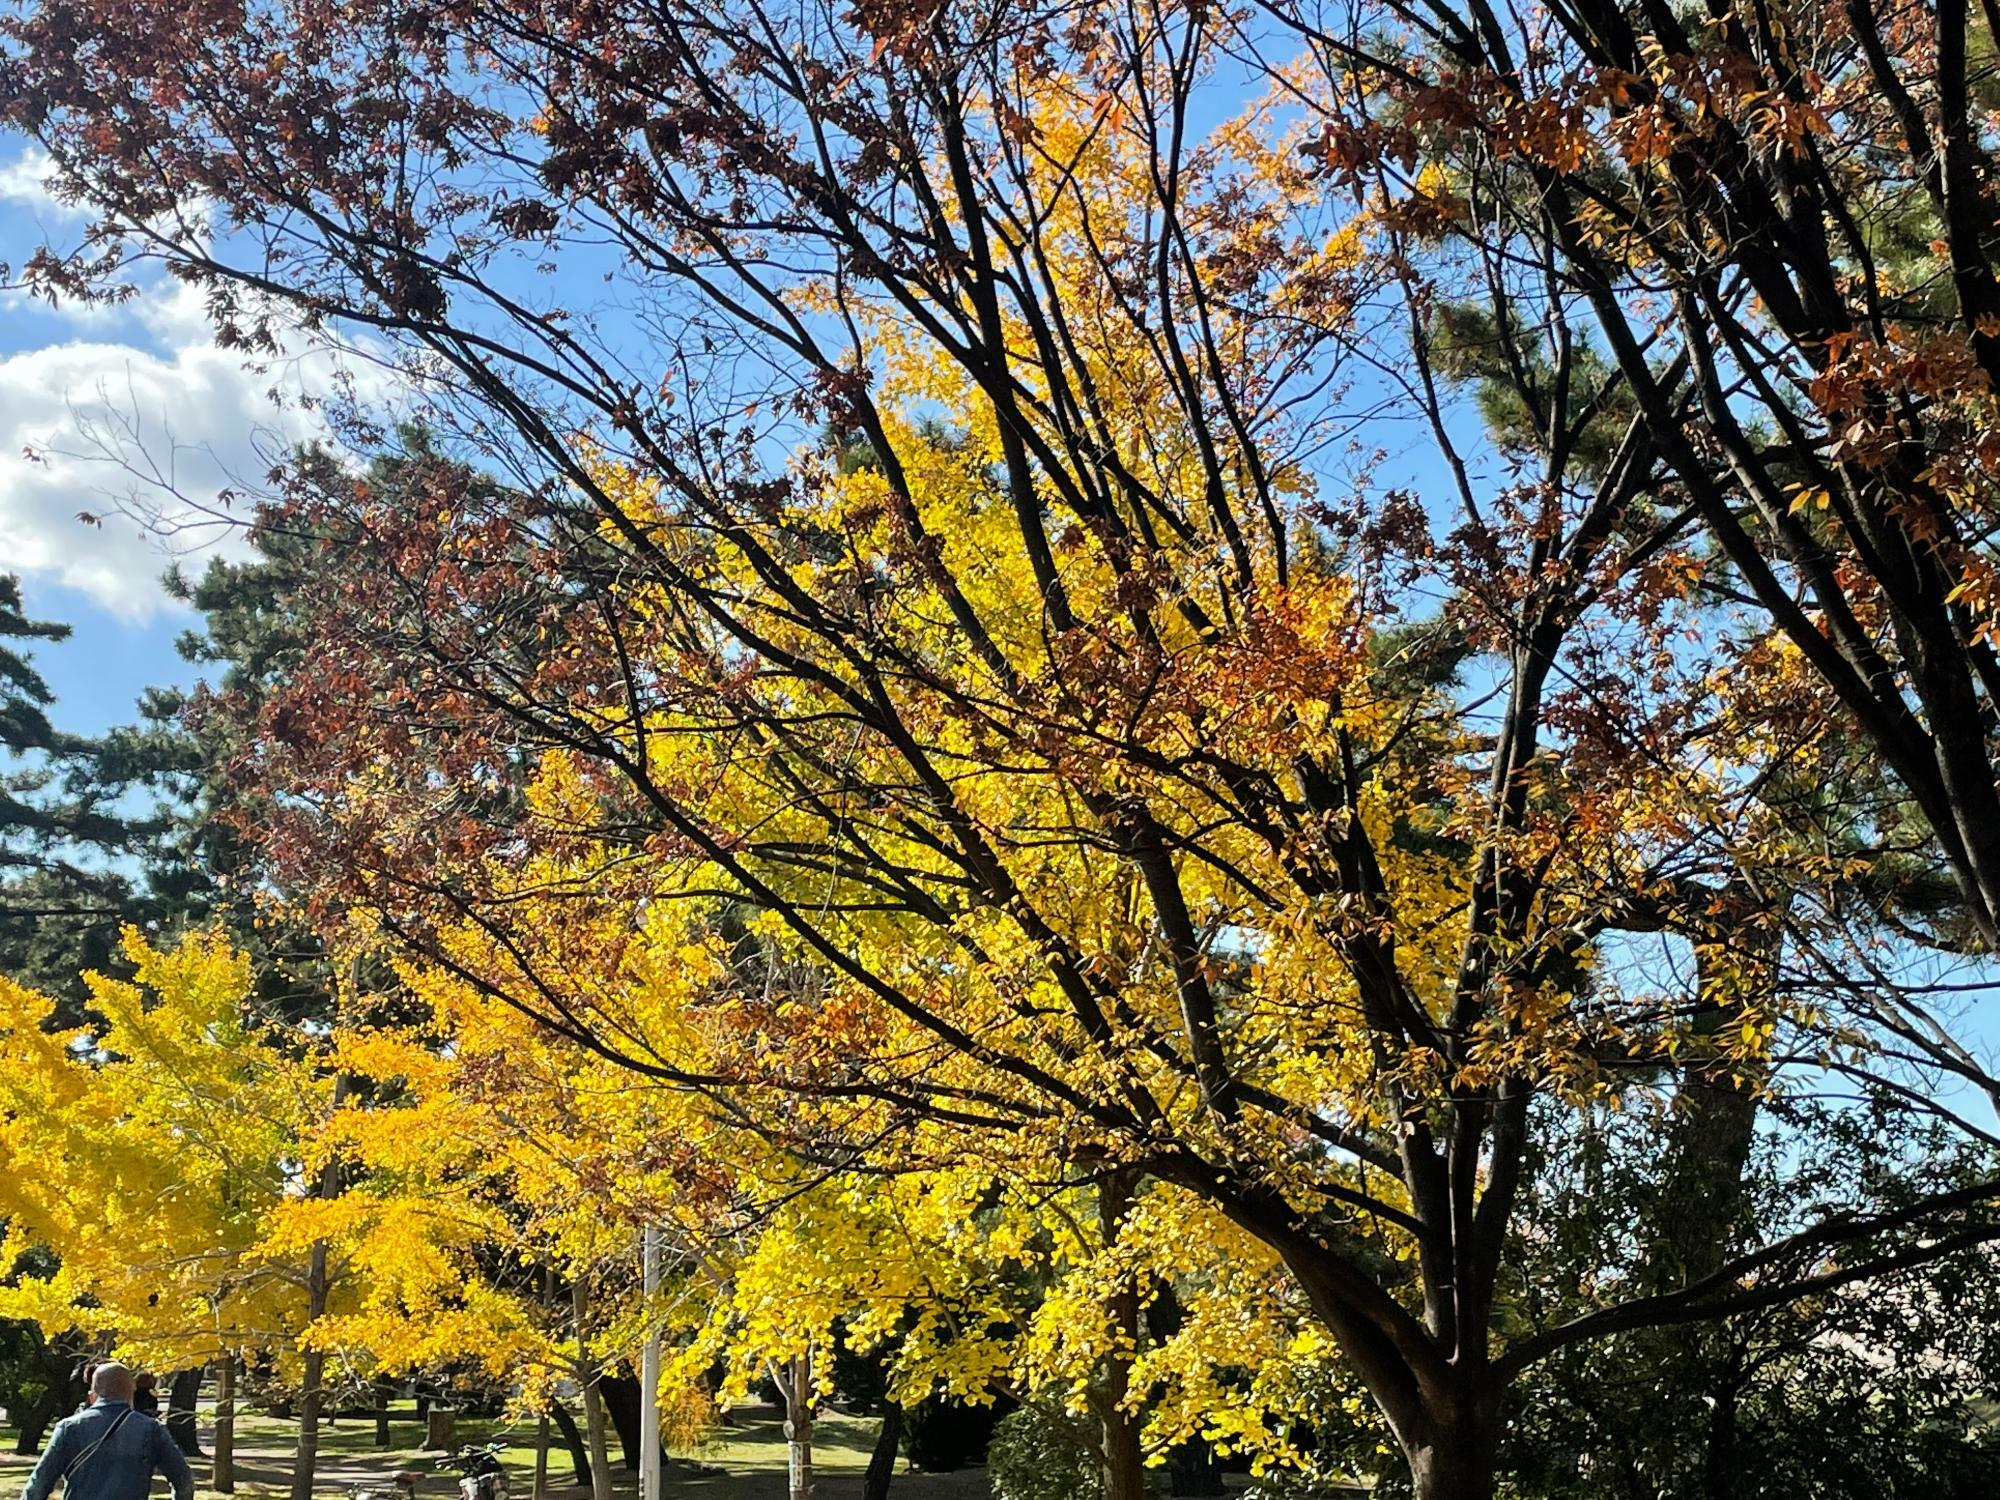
x=750, y=1451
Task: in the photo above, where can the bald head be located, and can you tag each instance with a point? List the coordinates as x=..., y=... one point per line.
x=112, y=1382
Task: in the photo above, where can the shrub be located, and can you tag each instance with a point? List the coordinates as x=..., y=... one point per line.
x=1036, y=1457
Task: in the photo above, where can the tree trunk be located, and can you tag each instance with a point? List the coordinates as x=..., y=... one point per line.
x=1124, y=1461
x=882, y=1461
x=593, y=1404
x=622, y=1405
x=222, y=1472
x=579, y=1455
x=306, y=1455
x=385, y=1393
x=56, y=1401
x=1697, y=1217
x=183, y=1391
x=1700, y=1210
x=440, y=1429
x=795, y=1383
x=541, y=1489
x=1455, y=1461
x=1442, y=1474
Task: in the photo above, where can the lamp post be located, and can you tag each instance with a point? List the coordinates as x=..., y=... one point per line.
x=649, y=1371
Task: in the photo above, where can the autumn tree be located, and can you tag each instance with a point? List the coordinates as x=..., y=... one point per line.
x=525, y=1169
x=1764, y=235
x=153, y=1156
x=962, y=1283
x=939, y=594
x=125, y=828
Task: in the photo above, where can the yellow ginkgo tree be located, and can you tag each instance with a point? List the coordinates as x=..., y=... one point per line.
x=155, y=1152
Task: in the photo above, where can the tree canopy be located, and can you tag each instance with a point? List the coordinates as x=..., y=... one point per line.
x=959, y=689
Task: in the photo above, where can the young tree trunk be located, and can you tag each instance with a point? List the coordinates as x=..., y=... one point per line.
x=183, y=1391
x=593, y=1404
x=305, y=1457
x=384, y=1394
x=795, y=1384
x=1124, y=1462
x=541, y=1488
x=222, y=1471
x=882, y=1461
x=579, y=1455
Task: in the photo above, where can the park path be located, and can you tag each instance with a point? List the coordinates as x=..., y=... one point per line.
x=752, y=1459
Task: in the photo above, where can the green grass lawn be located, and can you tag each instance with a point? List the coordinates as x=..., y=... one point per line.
x=751, y=1453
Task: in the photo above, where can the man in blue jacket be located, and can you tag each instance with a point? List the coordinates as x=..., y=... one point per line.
x=108, y=1451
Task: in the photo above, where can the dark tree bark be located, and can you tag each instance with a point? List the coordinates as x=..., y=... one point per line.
x=222, y=1471
x=882, y=1459
x=60, y=1397
x=579, y=1452
x=1455, y=1460
x=182, y=1393
x=1124, y=1461
x=621, y=1404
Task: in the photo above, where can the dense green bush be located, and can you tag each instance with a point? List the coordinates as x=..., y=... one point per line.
x=1037, y=1457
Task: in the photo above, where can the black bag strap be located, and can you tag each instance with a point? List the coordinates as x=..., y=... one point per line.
x=85, y=1457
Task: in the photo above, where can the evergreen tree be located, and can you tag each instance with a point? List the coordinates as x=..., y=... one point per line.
x=71, y=848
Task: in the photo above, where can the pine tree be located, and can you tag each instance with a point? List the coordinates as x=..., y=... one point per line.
x=69, y=841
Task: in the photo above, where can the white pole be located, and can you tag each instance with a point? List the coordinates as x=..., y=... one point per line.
x=649, y=1372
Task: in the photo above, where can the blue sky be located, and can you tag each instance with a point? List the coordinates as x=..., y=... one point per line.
x=133, y=415
x=100, y=671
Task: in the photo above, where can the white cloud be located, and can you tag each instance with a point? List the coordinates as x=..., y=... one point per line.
x=148, y=441
x=23, y=181
x=132, y=415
